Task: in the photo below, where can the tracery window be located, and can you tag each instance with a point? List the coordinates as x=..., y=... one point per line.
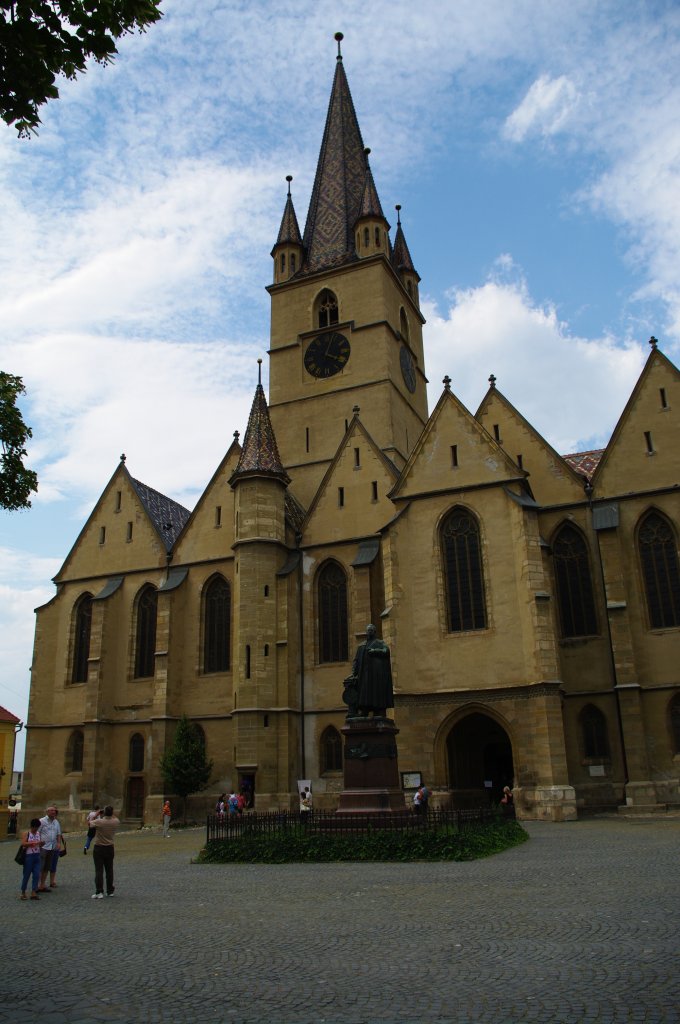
x=74, y=751
x=660, y=571
x=326, y=308
x=217, y=629
x=594, y=733
x=574, y=584
x=332, y=596
x=136, y=754
x=145, y=647
x=464, y=579
x=81, y=645
x=331, y=750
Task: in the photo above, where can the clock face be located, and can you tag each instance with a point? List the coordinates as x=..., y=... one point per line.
x=327, y=354
x=408, y=370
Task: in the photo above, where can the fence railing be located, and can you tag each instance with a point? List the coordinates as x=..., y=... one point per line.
x=222, y=828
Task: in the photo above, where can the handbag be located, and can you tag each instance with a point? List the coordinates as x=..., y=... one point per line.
x=20, y=855
x=62, y=852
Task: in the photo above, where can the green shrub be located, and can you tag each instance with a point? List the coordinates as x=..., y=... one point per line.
x=290, y=846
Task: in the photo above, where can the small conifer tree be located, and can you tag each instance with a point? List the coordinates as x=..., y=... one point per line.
x=183, y=765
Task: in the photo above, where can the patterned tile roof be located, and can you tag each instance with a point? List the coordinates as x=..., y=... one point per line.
x=585, y=462
x=260, y=453
x=401, y=257
x=295, y=513
x=370, y=200
x=168, y=516
x=7, y=716
x=289, y=232
x=339, y=184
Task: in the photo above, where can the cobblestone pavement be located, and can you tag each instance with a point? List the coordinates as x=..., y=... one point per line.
x=578, y=925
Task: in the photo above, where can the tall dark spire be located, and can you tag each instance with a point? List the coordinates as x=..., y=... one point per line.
x=259, y=453
x=339, y=185
x=370, y=200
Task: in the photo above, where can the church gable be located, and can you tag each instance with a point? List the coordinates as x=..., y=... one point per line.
x=352, y=500
x=644, y=445
x=552, y=480
x=131, y=527
x=454, y=452
x=209, y=532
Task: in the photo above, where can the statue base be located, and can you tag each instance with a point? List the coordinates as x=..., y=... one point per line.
x=371, y=777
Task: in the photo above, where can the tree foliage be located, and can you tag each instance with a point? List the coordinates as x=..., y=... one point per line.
x=16, y=482
x=183, y=766
x=40, y=39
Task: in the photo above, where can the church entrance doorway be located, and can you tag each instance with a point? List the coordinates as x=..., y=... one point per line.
x=134, y=803
x=480, y=761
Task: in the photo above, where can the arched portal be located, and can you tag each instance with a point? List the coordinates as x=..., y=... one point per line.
x=479, y=752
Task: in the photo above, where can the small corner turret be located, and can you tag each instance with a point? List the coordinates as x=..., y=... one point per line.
x=402, y=262
x=371, y=227
x=288, y=249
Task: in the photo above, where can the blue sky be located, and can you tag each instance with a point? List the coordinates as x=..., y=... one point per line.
x=534, y=148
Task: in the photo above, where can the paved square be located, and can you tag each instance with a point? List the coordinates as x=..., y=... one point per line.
x=580, y=924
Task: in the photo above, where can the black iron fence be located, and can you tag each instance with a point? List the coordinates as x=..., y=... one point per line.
x=224, y=827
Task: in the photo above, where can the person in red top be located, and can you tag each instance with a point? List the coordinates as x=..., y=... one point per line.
x=166, y=819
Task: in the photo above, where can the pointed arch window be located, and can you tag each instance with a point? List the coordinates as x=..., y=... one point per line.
x=331, y=750
x=81, y=646
x=326, y=308
x=660, y=571
x=594, y=734
x=217, y=630
x=674, y=716
x=74, y=751
x=574, y=583
x=403, y=325
x=145, y=646
x=332, y=593
x=464, y=579
x=136, y=753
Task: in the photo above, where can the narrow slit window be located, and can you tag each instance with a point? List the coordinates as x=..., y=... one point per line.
x=266, y=590
x=247, y=661
x=341, y=496
x=128, y=533
x=346, y=425
x=306, y=439
x=519, y=462
x=374, y=490
x=357, y=458
x=102, y=534
x=266, y=650
x=292, y=263
x=497, y=432
x=119, y=499
x=377, y=236
x=283, y=262
x=218, y=515
x=662, y=396
x=454, y=455
x=367, y=237
x=649, y=442
x=266, y=721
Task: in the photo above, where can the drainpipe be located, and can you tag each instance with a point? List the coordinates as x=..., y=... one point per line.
x=588, y=487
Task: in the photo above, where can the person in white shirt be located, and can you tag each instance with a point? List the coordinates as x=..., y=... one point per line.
x=50, y=834
x=91, y=818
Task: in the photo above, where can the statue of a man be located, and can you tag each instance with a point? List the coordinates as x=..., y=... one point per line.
x=369, y=688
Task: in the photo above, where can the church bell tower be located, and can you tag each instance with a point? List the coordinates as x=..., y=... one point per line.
x=346, y=327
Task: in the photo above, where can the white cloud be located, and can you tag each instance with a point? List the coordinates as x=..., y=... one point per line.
x=571, y=389
x=544, y=110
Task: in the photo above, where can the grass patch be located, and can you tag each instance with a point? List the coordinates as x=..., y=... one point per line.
x=294, y=846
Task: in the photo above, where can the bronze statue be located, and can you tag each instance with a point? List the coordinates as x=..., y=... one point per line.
x=369, y=688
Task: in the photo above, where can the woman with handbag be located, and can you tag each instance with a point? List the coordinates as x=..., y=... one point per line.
x=31, y=844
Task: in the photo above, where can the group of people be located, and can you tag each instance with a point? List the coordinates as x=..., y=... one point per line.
x=233, y=804
x=43, y=844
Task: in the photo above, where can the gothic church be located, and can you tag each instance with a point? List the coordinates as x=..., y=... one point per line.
x=531, y=601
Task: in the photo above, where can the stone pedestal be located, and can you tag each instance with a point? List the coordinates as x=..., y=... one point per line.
x=372, y=783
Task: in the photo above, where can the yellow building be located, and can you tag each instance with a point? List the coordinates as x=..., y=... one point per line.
x=531, y=601
x=8, y=724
